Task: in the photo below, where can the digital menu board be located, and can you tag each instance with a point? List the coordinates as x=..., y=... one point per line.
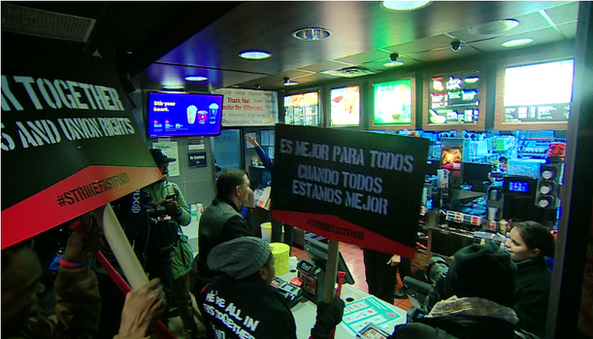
x=393, y=103
x=454, y=98
x=302, y=109
x=345, y=106
x=183, y=114
x=539, y=92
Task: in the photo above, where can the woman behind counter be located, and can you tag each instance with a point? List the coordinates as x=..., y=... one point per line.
x=529, y=243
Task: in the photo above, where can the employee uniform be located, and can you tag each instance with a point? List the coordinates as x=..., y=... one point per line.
x=381, y=277
x=532, y=290
x=257, y=310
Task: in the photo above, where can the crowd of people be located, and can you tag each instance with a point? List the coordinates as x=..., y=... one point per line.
x=488, y=291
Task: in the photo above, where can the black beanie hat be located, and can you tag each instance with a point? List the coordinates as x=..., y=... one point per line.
x=483, y=271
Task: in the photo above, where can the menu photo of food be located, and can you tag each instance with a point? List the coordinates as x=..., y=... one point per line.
x=393, y=102
x=345, y=106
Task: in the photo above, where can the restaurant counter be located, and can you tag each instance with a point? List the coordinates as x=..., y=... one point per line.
x=361, y=308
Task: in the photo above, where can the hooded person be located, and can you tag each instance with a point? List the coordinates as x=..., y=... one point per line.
x=477, y=300
x=258, y=310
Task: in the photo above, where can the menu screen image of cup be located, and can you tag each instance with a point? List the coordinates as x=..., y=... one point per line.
x=454, y=98
x=539, y=92
x=345, y=106
x=183, y=114
x=393, y=102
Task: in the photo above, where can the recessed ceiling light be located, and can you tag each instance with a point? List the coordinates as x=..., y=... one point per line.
x=173, y=87
x=517, y=42
x=255, y=55
x=494, y=27
x=393, y=63
x=311, y=34
x=195, y=78
x=404, y=5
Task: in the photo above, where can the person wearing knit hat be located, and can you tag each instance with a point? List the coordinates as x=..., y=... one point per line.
x=478, y=293
x=241, y=303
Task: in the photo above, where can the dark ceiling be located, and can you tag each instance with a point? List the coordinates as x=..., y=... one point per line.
x=159, y=43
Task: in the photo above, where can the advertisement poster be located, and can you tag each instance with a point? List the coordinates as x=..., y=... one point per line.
x=357, y=187
x=393, y=102
x=243, y=107
x=183, y=114
x=171, y=149
x=454, y=99
x=345, y=106
x=69, y=142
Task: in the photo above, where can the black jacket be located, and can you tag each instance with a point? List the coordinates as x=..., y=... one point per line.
x=220, y=222
x=532, y=291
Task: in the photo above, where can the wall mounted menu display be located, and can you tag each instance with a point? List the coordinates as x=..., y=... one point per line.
x=538, y=93
x=183, y=114
x=534, y=96
x=345, y=106
x=454, y=100
x=302, y=109
x=394, y=104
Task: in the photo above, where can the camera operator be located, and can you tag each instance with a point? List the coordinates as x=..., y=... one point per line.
x=164, y=263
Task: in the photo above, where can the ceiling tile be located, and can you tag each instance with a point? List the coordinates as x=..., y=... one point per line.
x=420, y=45
x=446, y=53
x=527, y=23
x=324, y=66
x=365, y=57
x=569, y=29
x=565, y=13
x=378, y=65
x=542, y=36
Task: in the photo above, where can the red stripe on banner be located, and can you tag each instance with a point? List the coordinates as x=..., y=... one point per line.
x=336, y=228
x=80, y=193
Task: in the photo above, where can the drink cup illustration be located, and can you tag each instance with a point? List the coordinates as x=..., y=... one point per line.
x=213, y=112
x=191, y=114
x=202, y=115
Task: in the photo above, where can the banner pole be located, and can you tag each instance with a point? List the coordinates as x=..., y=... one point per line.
x=331, y=271
x=121, y=247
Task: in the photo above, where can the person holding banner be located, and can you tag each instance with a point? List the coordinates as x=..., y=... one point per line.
x=76, y=290
x=247, y=268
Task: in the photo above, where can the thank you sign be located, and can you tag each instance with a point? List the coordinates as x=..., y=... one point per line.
x=69, y=143
x=362, y=188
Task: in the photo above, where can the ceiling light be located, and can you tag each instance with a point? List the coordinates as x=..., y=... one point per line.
x=516, y=42
x=173, y=87
x=287, y=82
x=393, y=63
x=494, y=27
x=404, y=5
x=195, y=78
x=255, y=55
x=311, y=34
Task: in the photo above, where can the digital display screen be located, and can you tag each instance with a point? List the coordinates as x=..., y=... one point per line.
x=302, y=109
x=538, y=93
x=454, y=99
x=393, y=103
x=345, y=106
x=518, y=186
x=183, y=114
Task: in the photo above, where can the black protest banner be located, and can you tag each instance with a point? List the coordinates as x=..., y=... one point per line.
x=362, y=188
x=69, y=144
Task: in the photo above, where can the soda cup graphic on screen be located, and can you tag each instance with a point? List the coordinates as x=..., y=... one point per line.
x=191, y=114
x=202, y=115
x=213, y=112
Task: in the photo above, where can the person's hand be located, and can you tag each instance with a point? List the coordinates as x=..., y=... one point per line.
x=328, y=316
x=394, y=260
x=141, y=309
x=84, y=241
x=251, y=140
